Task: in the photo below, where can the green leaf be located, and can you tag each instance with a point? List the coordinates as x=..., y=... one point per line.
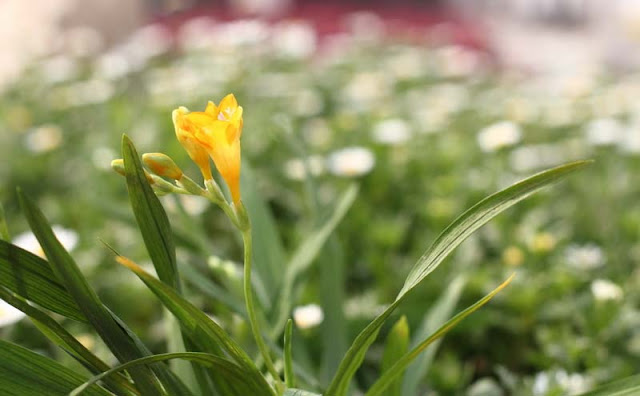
x=268, y=252
x=200, y=329
x=389, y=377
x=289, y=377
x=59, y=336
x=66, y=270
x=151, y=217
x=479, y=215
x=306, y=253
x=30, y=277
x=453, y=236
x=23, y=372
x=220, y=364
x=4, y=230
x=437, y=315
x=628, y=386
x=397, y=345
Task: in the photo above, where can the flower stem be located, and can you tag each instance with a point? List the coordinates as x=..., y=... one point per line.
x=251, y=310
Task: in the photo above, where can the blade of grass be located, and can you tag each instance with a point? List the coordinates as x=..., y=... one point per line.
x=4, y=229
x=304, y=256
x=289, y=377
x=23, y=372
x=198, y=327
x=390, y=376
x=221, y=364
x=150, y=216
x=66, y=270
x=268, y=252
x=453, y=236
x=395, y=347
x=62, y=338
x=30, y=277
x=437, y=315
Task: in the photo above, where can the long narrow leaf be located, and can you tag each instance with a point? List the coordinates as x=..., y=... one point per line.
x=30, y=277
x=268, y=252
x=23, y=372
x=398, y=368
x=453, y=236
x=151, y=217
x=479, y=215
x=100, y=318
x=306, y=253
x=223, y=365
x=628, y=386
x=396, y=346
x=59, y=336
x=200, y=329
x=437, y=315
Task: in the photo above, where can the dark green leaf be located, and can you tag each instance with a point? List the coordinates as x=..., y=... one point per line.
x=199, y=328
x=23, y=372
x=225, y=367
x=67, y=271
x=151, y=217
x=30, y=277
x=59, y=336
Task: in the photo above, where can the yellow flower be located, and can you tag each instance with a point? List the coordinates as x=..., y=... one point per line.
x=215, y=133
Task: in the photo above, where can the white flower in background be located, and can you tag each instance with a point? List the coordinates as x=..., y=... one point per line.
x=87, y=92
x=365, y=90
x=112, y=65
x=392, y=132
x=43, y=138
x=296, y=169
x=630, y=141
x=8, y=314
x=541, y=384
x=604, y=290
x=604, y=131
x=102, y=157
x=308, y=316
x=241, y=33
x=351, y=161
x=294, y=40
x=584, y=257
x=407, y=64
x=59, y=69
x=499, y=135
x=27, y=241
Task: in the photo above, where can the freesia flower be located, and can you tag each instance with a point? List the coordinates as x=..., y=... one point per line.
x=215, y=133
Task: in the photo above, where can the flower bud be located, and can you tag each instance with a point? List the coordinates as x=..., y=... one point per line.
x=118, y=166
x=160, y=185
x=162, y=165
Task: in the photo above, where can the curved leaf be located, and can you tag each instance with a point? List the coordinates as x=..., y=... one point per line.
x=199, y=328
x=30, y=277
x=23, y=372
x=227, y=368
x=453, y=236
x=151, y=217
x=628, y=386
x=401, y=364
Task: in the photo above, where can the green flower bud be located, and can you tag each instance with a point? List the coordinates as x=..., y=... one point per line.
x=162, y=165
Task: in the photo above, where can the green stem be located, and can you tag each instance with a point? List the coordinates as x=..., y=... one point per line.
x=251, y=310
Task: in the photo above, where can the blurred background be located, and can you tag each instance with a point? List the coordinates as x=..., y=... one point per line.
x=428, y=105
